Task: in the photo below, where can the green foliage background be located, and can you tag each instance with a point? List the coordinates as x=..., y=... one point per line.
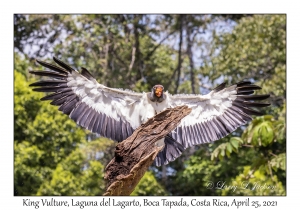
x=186, y=54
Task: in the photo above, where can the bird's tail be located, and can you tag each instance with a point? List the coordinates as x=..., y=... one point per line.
x=170, y=152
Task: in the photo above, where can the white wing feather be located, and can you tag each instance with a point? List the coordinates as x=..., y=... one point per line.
x=115, y=103
x=204, y=107
x=110, y=112
x=216, y=114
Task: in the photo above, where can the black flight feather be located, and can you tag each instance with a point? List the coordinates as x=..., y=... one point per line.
x=242, y=83
x=52, y=67
x=253, y=97
x=51, y=89
x=62, y=64
x=56, y=95
x=220, y=87
x=49, y=83
x=86, y=73
x=49, y=74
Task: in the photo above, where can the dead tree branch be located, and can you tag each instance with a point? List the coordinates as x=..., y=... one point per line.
x=134, y=155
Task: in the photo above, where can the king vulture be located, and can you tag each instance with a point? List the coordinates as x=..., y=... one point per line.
x=116, y=113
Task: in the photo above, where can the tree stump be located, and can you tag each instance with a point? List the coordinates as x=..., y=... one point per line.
x=134, y=155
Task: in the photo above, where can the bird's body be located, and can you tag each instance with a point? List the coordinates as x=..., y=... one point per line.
x=116, y=113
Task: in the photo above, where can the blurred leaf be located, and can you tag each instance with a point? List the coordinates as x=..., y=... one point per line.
x=279, y=162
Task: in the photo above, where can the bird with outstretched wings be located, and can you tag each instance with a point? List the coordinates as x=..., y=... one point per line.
x=116, y=113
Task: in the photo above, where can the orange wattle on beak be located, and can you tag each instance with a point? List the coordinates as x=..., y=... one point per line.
x=158, y=92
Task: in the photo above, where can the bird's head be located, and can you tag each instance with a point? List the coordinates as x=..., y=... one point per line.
x=157, y=94
x=158, y=90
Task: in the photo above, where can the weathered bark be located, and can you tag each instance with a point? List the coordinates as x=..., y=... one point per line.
x=134, y=155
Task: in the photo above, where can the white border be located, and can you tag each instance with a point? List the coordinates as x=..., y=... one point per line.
x=8, y=8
